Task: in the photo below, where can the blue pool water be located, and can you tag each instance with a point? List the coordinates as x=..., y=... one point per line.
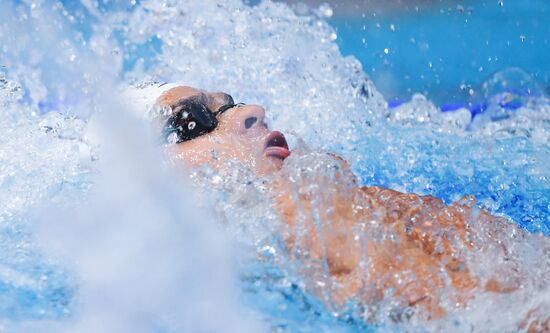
x=446, y=49
x=96, y=235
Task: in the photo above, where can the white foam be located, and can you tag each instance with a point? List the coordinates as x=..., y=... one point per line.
x=140, y=99
x=265, y=54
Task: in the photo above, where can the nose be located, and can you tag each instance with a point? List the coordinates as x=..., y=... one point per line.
x=249, y=117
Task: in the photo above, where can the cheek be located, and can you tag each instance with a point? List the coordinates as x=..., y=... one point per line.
x=218, y=149
x=251, y=153
x=238, y=149
x=193, y=153
x=247, y=150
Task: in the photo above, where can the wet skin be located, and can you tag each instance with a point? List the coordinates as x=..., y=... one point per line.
x=429, y=240
x=241, y=134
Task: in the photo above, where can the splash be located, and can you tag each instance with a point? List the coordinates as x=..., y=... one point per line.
x=268, y=54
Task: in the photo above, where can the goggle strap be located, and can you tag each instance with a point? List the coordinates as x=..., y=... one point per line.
x=226, y=107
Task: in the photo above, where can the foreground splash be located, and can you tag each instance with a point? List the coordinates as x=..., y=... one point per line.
x=130, y=223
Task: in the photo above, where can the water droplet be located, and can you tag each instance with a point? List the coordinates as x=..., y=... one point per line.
x=172, y=138
x=326, y=11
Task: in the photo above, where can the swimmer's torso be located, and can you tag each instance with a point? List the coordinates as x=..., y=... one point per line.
x=376, y=243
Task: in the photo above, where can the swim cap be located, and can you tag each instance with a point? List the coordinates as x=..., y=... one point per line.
x=141, y=98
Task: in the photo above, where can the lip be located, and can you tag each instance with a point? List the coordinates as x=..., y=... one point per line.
x=276, y=145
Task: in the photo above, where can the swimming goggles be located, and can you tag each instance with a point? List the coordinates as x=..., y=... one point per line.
x=191, y=120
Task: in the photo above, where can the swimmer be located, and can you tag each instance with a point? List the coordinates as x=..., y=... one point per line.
x=419, y=248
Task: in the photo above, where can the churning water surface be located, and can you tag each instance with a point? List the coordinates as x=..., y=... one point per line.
x=97, y=233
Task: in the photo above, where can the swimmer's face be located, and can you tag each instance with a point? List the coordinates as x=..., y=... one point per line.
x=241, y=134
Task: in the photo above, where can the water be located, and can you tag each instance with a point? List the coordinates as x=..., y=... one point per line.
x=444, y=48
x=88, y=209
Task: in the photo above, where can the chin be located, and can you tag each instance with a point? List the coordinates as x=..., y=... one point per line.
x=269, y=165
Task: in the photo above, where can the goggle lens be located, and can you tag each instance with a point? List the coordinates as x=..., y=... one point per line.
x=192, y=120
